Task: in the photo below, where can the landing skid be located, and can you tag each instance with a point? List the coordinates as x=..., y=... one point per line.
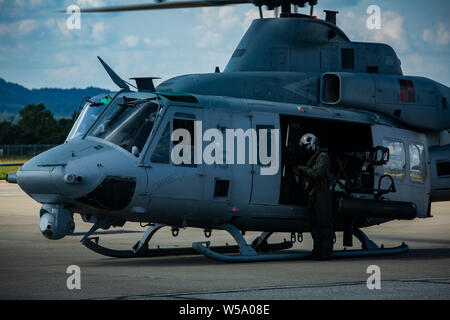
x=248, y=254
x=259, y=250
x=141, y=249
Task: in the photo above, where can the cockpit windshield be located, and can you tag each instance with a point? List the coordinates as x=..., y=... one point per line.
x=90, y=112
x=127, y=123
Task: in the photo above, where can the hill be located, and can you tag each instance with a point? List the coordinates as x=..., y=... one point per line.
x=61, y=102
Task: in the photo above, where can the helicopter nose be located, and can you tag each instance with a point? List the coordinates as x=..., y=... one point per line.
x=60, y=174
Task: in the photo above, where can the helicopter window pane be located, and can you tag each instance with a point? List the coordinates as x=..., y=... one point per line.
x=396, y=167
x=417, y=162
x=161, y=154
x=184, y=124
x=127, y=124
x=221, y=188
x=189, y=126
x=84, y=121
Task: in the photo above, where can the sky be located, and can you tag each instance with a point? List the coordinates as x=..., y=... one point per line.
x=38, y=50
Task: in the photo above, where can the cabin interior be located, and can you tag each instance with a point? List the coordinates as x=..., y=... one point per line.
x=347, y=145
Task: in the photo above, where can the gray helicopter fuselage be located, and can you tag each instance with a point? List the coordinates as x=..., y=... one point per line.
x=123, y=186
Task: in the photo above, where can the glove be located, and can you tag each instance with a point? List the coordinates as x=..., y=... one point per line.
x=299, y=169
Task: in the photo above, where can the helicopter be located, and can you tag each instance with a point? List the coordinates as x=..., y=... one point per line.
x=387, y=136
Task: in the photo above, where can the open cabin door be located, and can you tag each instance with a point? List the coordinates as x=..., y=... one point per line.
x=408, y=166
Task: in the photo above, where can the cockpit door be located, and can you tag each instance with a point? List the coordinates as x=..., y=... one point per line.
x=167, y=179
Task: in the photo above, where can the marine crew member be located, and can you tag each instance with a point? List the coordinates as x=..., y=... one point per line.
x=315, y=175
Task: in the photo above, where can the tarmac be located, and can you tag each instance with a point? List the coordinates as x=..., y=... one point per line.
x=33, y=267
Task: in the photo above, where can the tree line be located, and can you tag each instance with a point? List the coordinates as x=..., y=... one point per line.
x=37, y=125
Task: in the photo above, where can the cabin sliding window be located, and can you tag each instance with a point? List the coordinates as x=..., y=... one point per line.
x=161, y=154
x=396, y=167
x=417, y=162
x=189, y=126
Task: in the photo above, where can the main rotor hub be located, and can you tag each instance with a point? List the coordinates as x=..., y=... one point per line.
x=284, y=4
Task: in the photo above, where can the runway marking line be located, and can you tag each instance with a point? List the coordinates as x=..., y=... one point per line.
x=186, y=295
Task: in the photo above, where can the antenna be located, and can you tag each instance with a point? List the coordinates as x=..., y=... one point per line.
x=312, y=3
x=114, y=77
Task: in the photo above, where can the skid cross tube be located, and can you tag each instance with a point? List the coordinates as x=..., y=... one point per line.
x=142, y=245
x=140, y=249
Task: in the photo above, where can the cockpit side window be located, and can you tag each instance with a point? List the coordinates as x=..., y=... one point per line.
x=161, y=153
x=127, y=123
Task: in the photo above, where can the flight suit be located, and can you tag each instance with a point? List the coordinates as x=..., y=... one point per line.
x=315, y=175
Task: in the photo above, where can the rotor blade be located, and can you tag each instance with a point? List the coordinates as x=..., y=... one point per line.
x=168, y=5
